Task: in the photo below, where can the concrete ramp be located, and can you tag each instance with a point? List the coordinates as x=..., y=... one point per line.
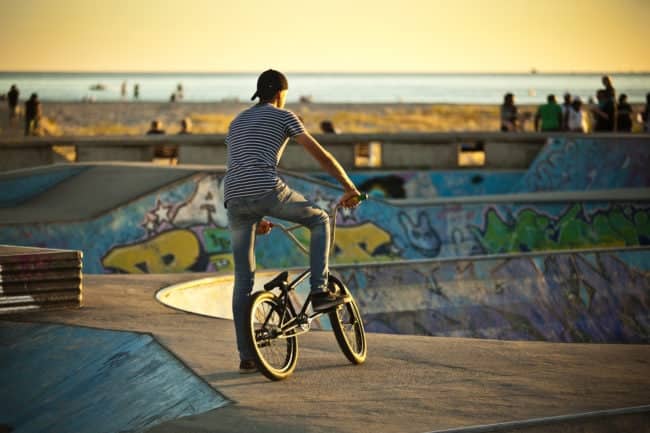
x=588, y=163
x=574, y=296
x=74, y=379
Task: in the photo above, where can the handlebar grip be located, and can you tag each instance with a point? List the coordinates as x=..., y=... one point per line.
x=363, y=196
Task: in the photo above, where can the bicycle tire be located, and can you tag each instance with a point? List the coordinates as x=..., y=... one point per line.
x=276, y=355
x=347, y=325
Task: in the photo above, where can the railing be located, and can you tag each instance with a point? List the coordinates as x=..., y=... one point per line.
x=397, y=150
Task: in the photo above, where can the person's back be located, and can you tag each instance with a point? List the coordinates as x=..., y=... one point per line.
x=13, y=96
x=509, y=115
x=550, y=115
x=32, y=107
x=32, y=114
x=623, y=114
x=576, y=120
x=255, y=141
x=645, y=114
x=156, y=128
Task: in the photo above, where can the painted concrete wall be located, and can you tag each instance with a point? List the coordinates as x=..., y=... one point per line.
x=431, y=184
x=578, y=164
x=95, y=381
x=184, y=228
x=587, y=164
x=597, y=296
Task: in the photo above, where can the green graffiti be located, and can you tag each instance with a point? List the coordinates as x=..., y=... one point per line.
x=217, y=240
x=533, y=231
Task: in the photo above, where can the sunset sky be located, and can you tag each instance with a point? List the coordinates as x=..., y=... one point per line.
x=325, y=36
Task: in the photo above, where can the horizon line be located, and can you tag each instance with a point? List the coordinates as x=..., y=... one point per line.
x=199, y=72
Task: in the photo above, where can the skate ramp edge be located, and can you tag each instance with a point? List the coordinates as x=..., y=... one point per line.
x=78, y=379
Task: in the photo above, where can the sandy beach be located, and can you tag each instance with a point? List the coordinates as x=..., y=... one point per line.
x=134, y=118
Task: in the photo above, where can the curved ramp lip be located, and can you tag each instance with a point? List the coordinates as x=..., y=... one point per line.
x=210, y=296
x=164, y=293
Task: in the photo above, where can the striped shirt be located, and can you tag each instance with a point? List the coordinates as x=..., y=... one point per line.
x=255, y=141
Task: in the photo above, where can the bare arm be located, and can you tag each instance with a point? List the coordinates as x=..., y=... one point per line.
x=328, y=163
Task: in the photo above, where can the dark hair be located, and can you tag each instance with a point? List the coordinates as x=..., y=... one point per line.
x=550, y=98
x=622, y=98
x=508, y=99
x=269, y=83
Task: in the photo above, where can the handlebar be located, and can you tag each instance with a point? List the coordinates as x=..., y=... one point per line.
x=332, y=214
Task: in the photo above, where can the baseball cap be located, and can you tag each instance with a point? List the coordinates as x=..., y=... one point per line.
x=269, y=82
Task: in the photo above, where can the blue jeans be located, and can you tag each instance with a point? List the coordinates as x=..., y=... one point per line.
x=243, y=215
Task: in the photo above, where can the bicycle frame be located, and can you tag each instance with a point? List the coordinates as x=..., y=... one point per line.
x=293, y=326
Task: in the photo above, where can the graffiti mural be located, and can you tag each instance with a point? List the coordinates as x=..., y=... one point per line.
x=183, y=226
x=565, y=297
x=432, y=184
x=587, y=164
x=531, y=230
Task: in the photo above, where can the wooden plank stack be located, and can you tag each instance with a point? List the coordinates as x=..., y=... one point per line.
x=34, y=279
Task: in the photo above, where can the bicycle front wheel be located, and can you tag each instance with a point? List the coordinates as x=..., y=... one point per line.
x=347, y=325
x=276, y=353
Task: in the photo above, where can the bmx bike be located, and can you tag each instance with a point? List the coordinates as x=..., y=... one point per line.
x=276, y=319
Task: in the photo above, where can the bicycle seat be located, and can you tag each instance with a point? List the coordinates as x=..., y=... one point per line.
x=280, y=282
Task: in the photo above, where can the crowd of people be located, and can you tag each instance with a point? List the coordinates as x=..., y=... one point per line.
x=607, y=114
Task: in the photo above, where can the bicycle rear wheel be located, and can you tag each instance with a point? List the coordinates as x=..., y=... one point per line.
x=276, y=354
x=347, y=325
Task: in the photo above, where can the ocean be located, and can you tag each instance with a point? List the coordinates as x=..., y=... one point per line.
x=329, y=88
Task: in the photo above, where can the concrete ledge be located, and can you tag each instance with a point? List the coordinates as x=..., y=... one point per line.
x=400, y=150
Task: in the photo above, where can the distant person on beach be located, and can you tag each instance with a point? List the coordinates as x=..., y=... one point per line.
x=32, y=115
x=123, y=90
x=566, y=106
x=12, y=101
x=253, y=190
x=608, y=103
x=645, y=114
x=136, y=91
x=327, y=127
x=603, y=112
x=576, y=119
x=550, y=115
x=186, y=126
x=623, y=114
x=156, y=128
x=509, y=115
x=179, y=92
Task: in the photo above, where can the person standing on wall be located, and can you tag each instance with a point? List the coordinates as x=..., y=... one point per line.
x=550, y=115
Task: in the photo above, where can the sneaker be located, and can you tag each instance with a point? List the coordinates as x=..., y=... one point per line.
x=325, y=300
x=248, y=366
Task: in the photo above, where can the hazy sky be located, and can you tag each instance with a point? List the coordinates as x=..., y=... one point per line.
x=329, y=35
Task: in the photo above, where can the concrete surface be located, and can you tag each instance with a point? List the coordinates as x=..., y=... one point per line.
x=409, y=383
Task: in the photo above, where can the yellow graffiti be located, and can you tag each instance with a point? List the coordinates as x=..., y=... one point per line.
x=172, y=251
x=361, y=243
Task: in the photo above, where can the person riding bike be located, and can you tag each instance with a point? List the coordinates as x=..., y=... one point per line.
x=252, y=190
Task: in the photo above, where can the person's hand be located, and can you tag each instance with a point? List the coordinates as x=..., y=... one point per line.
x=350, y=199
x=263, y=227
